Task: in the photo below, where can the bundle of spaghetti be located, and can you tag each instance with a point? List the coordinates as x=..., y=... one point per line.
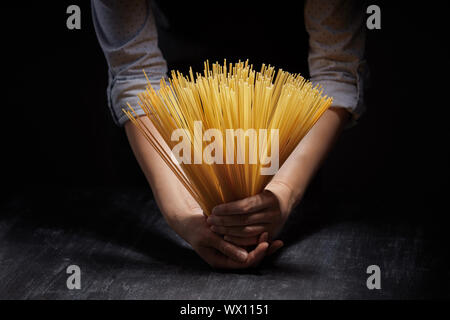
x=232, y=96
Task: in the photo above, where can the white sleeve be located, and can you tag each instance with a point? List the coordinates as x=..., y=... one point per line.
x=128, y=37
x=336, y=50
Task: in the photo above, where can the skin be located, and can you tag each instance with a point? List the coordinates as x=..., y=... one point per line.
x=238, y=234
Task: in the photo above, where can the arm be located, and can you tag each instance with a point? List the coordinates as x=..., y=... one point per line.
x=127, y=35
x=242, y=221
x=291, y=181
x=336, y=62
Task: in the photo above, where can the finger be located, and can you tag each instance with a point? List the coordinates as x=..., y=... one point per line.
x=255, y=256
x=247, y=205
x=274, y=246
x=218, y=260
x=245, y=231
x=228, y=249
x=264, y=237
x=240, y=241
x=241, y=219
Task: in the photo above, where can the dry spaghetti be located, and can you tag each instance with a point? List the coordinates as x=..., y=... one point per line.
x=225, y=97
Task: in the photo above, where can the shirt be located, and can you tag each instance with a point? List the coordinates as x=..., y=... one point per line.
x=127, y=34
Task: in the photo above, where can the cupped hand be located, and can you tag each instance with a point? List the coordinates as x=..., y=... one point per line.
x=216, y=251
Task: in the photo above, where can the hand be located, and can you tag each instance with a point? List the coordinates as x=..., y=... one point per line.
x=243, y=222
x=217, y=252
x=183, y=213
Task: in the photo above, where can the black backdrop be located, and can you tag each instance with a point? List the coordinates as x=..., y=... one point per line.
x=58, y=133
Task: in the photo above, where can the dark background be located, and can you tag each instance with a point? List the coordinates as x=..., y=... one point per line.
x=58, y=131
x=66, y=169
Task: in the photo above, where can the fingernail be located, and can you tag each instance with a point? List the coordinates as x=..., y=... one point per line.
x=214, y=210
x=242, y=255
x=213, y=228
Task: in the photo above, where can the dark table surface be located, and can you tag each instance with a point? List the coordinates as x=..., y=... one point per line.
x=126, y=250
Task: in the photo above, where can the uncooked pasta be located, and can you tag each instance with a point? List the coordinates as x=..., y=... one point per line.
x=234, y=123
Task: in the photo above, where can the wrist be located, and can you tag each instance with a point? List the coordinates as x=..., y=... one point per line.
x=180, y=217
x=285, y=194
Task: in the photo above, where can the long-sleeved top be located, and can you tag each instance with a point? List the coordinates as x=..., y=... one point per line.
x=127, y=34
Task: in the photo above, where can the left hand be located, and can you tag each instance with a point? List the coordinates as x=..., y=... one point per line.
x=243, y=221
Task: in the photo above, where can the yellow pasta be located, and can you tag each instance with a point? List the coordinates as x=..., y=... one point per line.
x=225, y=97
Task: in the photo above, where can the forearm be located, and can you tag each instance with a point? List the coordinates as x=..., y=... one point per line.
x=171, y=196
x=288, y=184
x=292, y=179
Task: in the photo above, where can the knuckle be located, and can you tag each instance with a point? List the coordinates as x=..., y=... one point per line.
x=247, y=230
x=246, y=207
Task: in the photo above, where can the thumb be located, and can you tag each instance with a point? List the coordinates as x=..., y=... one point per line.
x=275, y=246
